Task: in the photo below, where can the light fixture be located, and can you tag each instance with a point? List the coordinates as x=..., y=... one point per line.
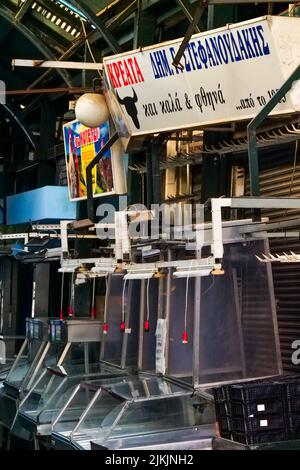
x=103, y=270
x=141, y=273
x=91, y=110
x=68, y=269
x=193, y=272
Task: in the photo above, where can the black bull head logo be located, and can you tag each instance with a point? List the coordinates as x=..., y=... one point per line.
x=130, y=105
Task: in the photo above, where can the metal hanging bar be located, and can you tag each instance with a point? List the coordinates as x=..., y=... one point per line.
x=89, y=169
x=189, y=32
x=255, y=123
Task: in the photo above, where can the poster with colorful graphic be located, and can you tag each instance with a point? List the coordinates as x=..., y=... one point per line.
x=81, y=146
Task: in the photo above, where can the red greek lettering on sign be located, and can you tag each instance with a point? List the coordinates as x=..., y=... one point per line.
x=125, y=72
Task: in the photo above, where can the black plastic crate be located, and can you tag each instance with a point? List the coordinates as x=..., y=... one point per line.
x=256, y=408
x=223, y=408
x=224, y=424
x=261, y=437
x=226, y=435
x=295, y=421
x=221, y=393
x=258, y=424
x=293, y=388
x=294, y=404
x=258, y=391
x=296, y=434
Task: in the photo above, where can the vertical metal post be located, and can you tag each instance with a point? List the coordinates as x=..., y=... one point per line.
x=137, y=19
x=107, y=294
x=128, y=328
x=273, y=308
x=239, y=318
x=168, y=307
x=196, y=332
x=210, y=16
x=149, y=177
x=86, y=358
x=141, y=329
x=155, y=153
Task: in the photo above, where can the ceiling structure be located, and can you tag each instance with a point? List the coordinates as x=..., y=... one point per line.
x=82, y=30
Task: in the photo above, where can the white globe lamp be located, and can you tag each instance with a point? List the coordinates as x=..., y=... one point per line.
x=91, y=110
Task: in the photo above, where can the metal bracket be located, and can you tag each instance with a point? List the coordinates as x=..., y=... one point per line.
x=89, y=169
x=189, y=32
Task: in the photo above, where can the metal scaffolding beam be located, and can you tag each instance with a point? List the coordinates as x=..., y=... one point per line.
x=189, y=32
x=99, y=25
x=34, y=39
x=23, y=10
x=12, y=110
x=186, y=8
x=236, y=2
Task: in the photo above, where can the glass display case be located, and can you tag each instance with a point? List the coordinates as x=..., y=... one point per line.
x=49, y=342
x=45, y=400
x=9, y=347
x=32, y=352
x=118, y=348
x=231, y=320
x=135, y=408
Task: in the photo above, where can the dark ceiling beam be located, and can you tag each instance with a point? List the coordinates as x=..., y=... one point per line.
x=116, y=20
x=15, y=114
x=189, y=32
x=23, y=10
x=92, y=37
x=232, y=2
x=18, y=17
x=14, y=80
x=49, y=33
x=5, y=29
x=8, y=16
x=185, y=6
x=99, y=25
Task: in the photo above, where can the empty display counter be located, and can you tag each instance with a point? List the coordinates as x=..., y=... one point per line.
x=49, y=342
x=135, y=413
x=46, y=399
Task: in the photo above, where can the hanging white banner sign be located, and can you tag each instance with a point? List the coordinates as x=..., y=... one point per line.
x=227, y=75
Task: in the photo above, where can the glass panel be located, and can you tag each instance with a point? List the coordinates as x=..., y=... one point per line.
x=149, y=338
x=50, y=406
x=237, y=329
x=25, y=373
x=145, y=388
x=82, y=353
x=180, y=363
x=30, y=354
x=103, y=413
x=164, y=414
x=50, y=359
x=9, y=347
x=71, y=415
x=108, y=415
x=133, y=318
x=112, y=342
x=42, y=402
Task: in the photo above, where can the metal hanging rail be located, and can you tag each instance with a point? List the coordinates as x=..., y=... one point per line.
x=256, y=122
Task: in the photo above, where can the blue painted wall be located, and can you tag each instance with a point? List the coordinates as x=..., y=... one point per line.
x=50, y=203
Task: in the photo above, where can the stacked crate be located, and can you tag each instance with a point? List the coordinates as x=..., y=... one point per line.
x=254, y=413
x=293, y=401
